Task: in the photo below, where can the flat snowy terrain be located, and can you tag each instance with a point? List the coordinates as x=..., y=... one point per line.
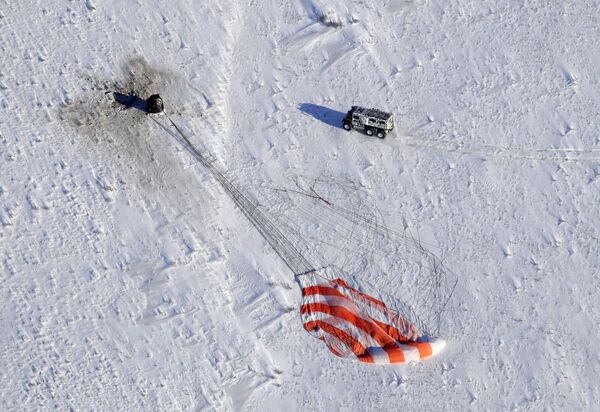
x=130, y=281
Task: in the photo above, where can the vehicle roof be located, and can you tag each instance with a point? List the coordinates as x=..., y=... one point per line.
x=372, y=112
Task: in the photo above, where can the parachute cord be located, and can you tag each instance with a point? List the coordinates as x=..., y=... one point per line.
x=280, y=243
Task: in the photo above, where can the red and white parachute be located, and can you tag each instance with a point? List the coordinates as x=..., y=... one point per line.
x=355, y=325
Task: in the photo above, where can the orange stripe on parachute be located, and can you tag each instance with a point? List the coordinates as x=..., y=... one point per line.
x=322, y=290
x=354, y=345
x=343, y=284
x=424, y=348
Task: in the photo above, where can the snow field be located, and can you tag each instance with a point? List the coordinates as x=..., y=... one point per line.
x=130, y=281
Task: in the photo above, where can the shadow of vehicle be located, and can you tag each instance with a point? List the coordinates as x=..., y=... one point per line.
x=326, y=115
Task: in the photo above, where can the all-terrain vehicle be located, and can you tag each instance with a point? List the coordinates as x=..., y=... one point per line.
x=375, y=122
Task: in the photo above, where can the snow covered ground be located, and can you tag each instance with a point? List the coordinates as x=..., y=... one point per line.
x=129, y=280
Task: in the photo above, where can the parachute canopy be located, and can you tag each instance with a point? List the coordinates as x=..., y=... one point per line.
x=357, y=326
